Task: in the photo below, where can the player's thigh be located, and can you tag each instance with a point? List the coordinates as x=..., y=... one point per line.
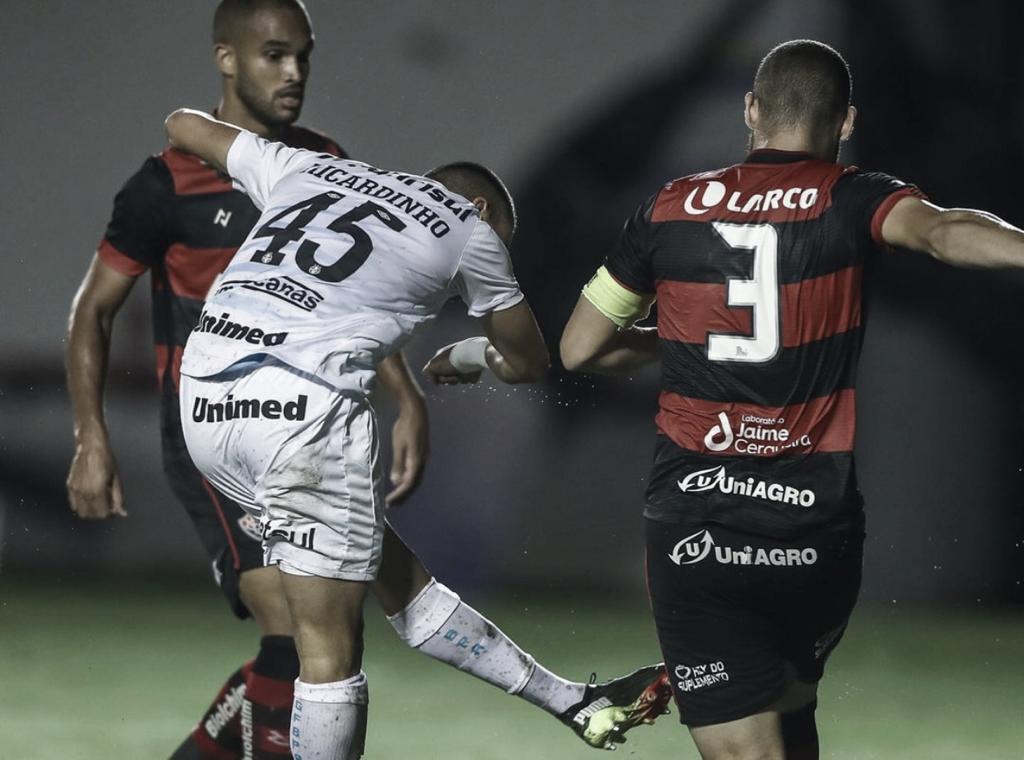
x=327, y=619
x=755, y=737
x=401, y=576
x=262, y=592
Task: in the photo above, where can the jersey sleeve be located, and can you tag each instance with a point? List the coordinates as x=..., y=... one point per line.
x=484, y=279
x=866, y=198
x=629, y=262
x=139, y=231
x=256, y=165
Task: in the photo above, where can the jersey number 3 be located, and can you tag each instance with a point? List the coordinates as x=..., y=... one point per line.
x=346, y=224
x=760, y=292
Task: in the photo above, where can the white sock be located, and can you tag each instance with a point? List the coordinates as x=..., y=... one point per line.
x=441, y=625
x=329, y=719
x=551, y=692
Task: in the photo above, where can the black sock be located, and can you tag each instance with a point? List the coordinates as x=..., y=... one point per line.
x=267, y=712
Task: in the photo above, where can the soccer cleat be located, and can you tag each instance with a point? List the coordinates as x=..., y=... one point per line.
x=608, y=710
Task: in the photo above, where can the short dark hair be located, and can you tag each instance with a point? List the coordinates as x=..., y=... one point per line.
x=230, y=13
x=802, y=83
x=472, y=180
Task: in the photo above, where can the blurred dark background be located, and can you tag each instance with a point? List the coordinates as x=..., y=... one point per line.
x=584, y=106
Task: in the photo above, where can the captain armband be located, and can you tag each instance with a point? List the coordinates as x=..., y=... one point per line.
x=620, y=304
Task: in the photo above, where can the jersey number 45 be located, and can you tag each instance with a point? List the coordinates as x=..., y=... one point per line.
x=347, y=261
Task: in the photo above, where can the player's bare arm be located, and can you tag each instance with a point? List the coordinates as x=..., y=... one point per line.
x=201, y=135
x=961, y=237
x=600, y=336
x=410, y=438
x=94, y=486
x=513, y=350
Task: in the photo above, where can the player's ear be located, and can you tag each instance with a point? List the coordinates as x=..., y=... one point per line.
x=483, y=207
x=224, y=56
x=847, y=129
x=750, y=111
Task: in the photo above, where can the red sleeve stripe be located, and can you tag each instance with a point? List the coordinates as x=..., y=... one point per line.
x=191, y=176
x=810, y=310
x=885, y=207
x=825, y=424
x=191, y=271
x=117, y=261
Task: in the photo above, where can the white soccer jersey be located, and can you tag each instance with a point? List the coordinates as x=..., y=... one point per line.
x=345, y=263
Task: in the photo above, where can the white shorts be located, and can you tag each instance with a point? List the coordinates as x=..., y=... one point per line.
x=298, y=454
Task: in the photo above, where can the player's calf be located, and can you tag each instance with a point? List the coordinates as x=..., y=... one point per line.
x=439, y=624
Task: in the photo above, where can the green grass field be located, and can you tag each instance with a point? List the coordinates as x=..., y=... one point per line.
x=99, y=670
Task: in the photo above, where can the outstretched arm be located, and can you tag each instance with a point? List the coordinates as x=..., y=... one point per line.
x=592, y=342
x=201, y=135
x=961, y=237
x=410, y=435
x=94, y=486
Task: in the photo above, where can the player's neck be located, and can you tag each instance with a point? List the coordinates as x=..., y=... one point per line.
x=795, y=142
x=232, y=111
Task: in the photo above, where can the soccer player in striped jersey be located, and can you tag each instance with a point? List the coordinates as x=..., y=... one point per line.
x=754, y=522
x=180, y=219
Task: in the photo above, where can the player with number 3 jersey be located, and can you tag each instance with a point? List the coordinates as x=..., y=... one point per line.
x=754, y=521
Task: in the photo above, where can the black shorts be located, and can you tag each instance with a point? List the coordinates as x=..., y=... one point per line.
x=229, y=534
x=739, y=615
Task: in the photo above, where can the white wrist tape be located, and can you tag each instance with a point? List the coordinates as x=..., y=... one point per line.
x=470, y=355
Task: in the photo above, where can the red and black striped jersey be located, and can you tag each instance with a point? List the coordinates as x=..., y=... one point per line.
x=758, y=273
x=181, y=220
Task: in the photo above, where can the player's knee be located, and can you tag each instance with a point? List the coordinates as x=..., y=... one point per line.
x=402, y=576
x=326, y=657
x=327, y=668
x=329, y=653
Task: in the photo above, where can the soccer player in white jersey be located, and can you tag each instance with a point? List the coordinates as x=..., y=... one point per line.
x=345, y=263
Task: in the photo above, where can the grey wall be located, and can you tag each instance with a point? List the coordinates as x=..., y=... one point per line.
x=524, y=485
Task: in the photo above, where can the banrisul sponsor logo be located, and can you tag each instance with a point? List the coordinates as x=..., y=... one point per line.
x=701, y=546
x=760, y=436
x=717, y=479
x=226, y=327
x=301, y=537
x=204, y=410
